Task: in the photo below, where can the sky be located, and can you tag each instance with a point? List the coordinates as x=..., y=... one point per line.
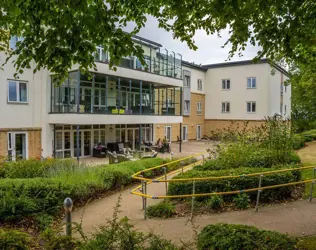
x=209, y=46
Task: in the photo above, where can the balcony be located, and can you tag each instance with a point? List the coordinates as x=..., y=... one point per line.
x=157, y=61
x=112, y=95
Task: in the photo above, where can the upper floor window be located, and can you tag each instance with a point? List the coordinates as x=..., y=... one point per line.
x=251, y=107
x=101, y=55
x=281, y=88
x=251, y=83
x=187, y=81
x=199, y=108
x=225, y=107
x=14, y=40
x=199, y=84
x=169, y=103
x=226, y=84
x=187, y=106
x=17, y=91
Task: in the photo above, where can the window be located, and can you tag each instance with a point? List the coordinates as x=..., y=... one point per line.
x=17, y=91
x=101, y=55
x=187, y=106
x=281, y=88
x=251, y=83
x=251, y=107
x=281, y=108
x=187, y=81
x=225, y=107
x=169, y=102
x=168, y=133
x=199, y=84
x=226, y=84
x=199, y=108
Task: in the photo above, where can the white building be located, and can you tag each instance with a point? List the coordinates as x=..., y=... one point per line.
x=136, y=102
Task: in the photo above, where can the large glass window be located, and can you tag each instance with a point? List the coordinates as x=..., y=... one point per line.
x=17, y=91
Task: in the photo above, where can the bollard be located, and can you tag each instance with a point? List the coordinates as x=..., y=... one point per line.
x=166, y=183
x=68, y=208
x=193, y=198
x=258, y=193
x=312, y=186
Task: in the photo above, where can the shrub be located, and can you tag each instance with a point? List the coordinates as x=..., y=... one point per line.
x=310, y=133
x=250, y=157
x=43, y=221
x=241, y=201
x=215, y=202
x=13, y=239
x=236, y=237
x=298, y=142
x=163, y=209
x=241, y=183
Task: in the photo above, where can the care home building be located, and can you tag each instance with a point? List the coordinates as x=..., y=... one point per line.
x=166, y=97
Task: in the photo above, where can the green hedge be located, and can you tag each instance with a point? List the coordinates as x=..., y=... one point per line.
x=258, y=158
x=298, y=141
x=36, y=168
x=13, y=239
x=162, y=209
x=23, y=197
x=236, y=237
x=178, y=188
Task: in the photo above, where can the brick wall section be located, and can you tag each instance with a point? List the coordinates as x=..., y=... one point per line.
x=195, y=119
x=160, y=132
x=3, y=144
x=213, y=125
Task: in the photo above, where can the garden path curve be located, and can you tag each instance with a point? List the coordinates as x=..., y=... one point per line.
x=296, y=218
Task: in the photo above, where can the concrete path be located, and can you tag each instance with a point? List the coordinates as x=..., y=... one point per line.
x=296, y=218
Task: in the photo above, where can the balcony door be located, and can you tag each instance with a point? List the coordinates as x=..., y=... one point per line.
x=17, y=145
x=84, y=143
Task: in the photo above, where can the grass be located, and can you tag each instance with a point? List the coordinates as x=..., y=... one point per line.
x=307, y=243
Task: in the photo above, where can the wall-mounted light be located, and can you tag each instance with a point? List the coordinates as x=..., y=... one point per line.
x=158, y=126
x=192, y=125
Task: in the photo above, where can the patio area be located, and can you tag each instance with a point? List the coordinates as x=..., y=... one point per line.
x=188, y=148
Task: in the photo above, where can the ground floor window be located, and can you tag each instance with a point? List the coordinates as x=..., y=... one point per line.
x=198, y=132
x=17, y=145
x=168, y=133
x=185, y=132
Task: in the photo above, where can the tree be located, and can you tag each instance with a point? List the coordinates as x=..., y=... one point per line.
x=303, y=81
x=59, y=34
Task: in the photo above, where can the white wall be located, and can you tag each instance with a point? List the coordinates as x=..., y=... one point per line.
x=195, y=75
x=238, y=95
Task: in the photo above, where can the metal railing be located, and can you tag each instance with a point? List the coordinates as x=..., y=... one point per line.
x=141, y=190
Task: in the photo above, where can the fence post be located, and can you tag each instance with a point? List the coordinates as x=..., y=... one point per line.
x=68, y=208
x=258, y=193
x=145, y=200
x=193, y=198
x=312, y=186
x=166, y=183
x=181, y=165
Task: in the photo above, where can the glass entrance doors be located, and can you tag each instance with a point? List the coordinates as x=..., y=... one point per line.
x=17, y=146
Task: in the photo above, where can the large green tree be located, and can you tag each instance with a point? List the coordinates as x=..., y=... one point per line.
x=61, y=33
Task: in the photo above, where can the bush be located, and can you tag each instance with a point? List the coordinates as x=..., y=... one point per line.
x=298, y=142
x=215, y=202
x=13, y=239
x=163, y=209
x=241, y=201
x=23, y=197
x=236, y=237
x=250, y=157
x=242, y=183
x=36, y=168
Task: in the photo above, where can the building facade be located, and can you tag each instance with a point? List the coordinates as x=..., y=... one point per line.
x=167, y=97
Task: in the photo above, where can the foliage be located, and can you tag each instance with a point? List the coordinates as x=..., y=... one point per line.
x=14, y=239
x=307, y=243
x=241, y=183
x=163, y=209
x=215, y=202
x=43, y=221
x=53, y=240
x=36, y=168
x=298, y=142
x=241, y=201
x=23, y=197
x=236, y=237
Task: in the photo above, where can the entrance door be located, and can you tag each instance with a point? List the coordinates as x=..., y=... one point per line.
x=75, y=144
x=17, y=146
x=168, y=133
x=185, y=132
x=87, y=143
x=198, y=132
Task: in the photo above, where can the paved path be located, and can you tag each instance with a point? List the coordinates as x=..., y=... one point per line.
x=296, y=218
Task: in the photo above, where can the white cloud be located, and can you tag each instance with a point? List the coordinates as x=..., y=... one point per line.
x=209, y=46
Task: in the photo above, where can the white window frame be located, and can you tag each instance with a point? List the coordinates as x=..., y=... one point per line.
x=252, y=81
x=11, y=135
x=166, y=128
x=187, y=83
x=187, y=107
x=199, y=84
x=198, y=136
x=170, y=104
x=281, y=108
x=100, y=50
x=225, y=84
x=285, y=109
x=186, y=132
x=226, y=104
x=17, y=87
x=251, y=110
x=199, y=108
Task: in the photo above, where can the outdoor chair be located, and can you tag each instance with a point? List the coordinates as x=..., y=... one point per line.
x=122, y=158
x=153, y=155
x=121, y=148
x=112, y=158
